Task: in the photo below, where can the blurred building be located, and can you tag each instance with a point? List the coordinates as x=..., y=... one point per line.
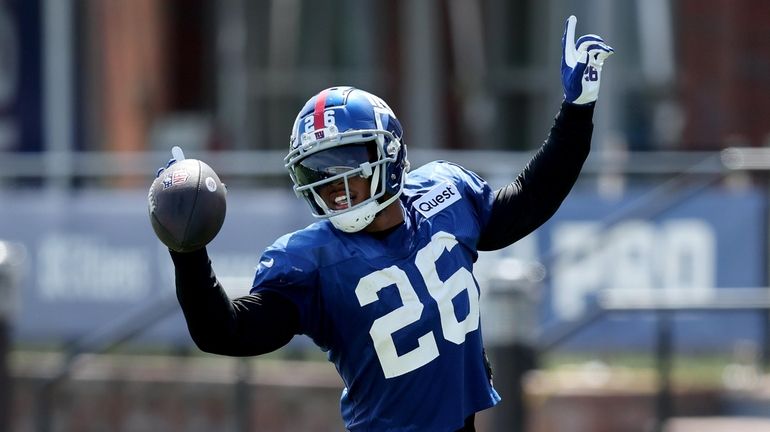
x=231, y=74
x=724, y=56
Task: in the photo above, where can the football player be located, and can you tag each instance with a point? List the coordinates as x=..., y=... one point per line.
x=382, y=281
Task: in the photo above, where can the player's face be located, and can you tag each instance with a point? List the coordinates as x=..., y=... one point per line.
x=334, y=194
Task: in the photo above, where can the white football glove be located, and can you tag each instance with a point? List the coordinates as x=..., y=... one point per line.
x=581, y=67
x=177, y=155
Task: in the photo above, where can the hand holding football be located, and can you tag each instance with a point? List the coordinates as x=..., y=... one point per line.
x=187, y=205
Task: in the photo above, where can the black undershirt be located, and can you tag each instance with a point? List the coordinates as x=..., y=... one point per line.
x=261, y=323
x=529, y=201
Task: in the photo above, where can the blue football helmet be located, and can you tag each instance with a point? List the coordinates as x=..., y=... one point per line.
x=340, y=133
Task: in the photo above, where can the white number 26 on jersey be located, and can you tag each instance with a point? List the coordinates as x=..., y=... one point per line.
x=410, y=312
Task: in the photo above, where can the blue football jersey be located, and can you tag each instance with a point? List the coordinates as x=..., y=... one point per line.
x=398, y=315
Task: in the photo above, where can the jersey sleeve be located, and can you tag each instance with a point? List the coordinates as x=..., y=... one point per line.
x=471, y=210
x=472, y=187
x=284, y=269
x=478, y=191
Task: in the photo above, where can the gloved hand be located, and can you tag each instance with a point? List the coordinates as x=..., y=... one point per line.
x=581, y=67
x=177, y=155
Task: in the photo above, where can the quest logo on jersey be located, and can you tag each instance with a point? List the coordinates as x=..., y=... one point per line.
x=437, y=199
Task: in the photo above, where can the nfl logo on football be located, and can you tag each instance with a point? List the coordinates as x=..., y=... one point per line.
x=179, y=177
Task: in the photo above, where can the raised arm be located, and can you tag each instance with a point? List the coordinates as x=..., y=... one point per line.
x=529, y=201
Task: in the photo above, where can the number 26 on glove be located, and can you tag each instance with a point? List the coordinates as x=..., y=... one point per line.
x=581, y=64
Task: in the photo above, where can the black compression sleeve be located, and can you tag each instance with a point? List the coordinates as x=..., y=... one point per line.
x=246, y=326
x=522, y=206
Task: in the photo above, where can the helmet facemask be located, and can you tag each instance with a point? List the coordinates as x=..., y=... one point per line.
x=332, y=163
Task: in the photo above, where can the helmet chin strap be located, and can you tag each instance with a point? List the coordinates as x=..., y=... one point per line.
x=357, y=219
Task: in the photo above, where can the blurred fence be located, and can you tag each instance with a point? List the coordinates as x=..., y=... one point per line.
x=644, y=222
x=104, y=168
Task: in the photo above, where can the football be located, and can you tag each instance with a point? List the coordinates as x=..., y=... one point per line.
x=187, y=205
